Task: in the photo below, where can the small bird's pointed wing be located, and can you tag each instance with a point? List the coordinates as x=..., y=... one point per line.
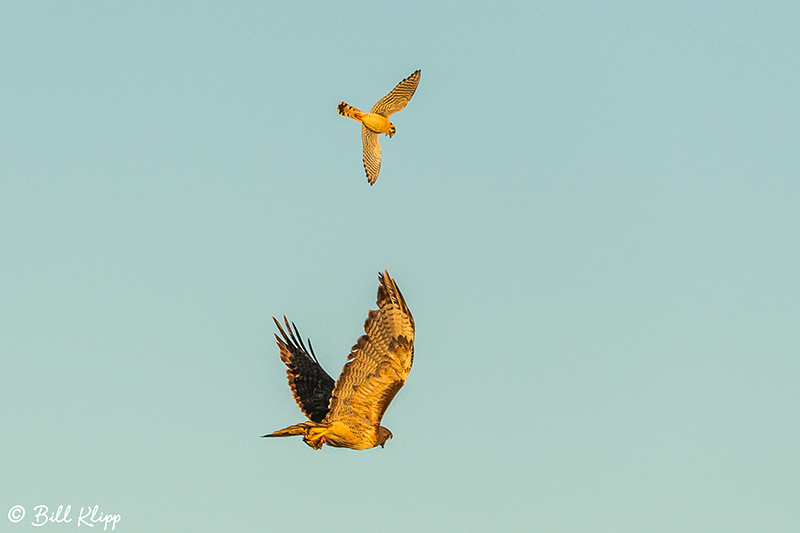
x=398, y=97
x=372, y=153
x=379, y=363
x=311, y=385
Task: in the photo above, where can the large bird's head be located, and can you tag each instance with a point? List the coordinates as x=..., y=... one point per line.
x=383, y=435
x=392, y=130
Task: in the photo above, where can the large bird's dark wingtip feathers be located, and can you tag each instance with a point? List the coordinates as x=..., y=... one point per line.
x=293, y=339
x=311, y=386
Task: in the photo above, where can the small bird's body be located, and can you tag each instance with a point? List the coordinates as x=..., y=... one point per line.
x=347, y=413
x=377, y=121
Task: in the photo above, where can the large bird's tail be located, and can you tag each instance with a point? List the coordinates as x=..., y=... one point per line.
x=297, y=429
x=350, y=112
x=313, y=433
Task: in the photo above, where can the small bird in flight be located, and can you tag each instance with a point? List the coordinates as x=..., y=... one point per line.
x=347, y=413
x=377, y=121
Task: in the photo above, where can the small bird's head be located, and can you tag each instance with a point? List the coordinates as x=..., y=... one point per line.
x=383, y=435
x=392, y=130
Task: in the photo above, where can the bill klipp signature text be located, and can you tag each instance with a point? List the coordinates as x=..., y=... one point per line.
x=88, y=516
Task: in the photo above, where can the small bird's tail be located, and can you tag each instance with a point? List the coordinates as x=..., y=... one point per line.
x=350, y=112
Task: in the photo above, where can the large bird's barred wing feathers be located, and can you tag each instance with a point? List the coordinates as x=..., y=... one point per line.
x=379, y=363
x=311, y=385
x=372, y=153
x=397, y=97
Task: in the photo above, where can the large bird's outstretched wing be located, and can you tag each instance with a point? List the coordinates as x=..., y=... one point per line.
x=311, y=385
x=397, y=97
x=378, y=364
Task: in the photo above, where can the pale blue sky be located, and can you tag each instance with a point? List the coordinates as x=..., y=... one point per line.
x=593, y=213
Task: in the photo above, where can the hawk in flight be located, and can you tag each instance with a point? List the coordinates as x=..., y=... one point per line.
x=347, y=413
x=377, y=121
